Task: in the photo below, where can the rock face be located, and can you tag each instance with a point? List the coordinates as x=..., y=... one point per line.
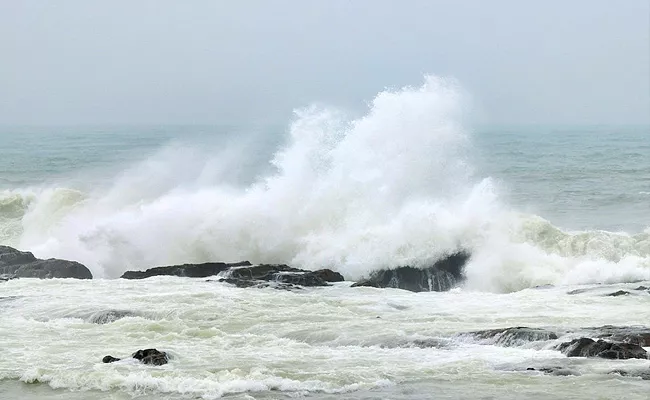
x=585, y=347
x=517, y=336
x=442, y=275
x=283, y=276
x=189, y=270
x=23, y=264
x=147, y=356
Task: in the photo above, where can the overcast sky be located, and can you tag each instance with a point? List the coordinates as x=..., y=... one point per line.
x=524, y=62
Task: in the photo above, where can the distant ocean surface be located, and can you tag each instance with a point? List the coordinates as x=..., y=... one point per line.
x=544, y=210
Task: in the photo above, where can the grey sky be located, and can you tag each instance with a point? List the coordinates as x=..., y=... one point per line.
x=71, y=62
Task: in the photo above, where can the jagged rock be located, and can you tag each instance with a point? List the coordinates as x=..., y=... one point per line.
x=516, y=336
x=151, y=356
x=442, y=275
x=329, y=276
x=188, y=270
x=105, y=317
x=639, y=335
x=618, y=293
x=23, y=264
x=109, y=359
x=586, y=347
x=283, y=276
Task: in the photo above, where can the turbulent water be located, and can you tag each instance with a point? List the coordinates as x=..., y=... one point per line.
x=405, y=182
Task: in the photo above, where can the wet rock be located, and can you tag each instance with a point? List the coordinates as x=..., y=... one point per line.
x=108, y=316
x=618, y=293
x=642, y=288
x=282, y=276
x=7, y=277
x=329, y=276
x=23, y=264
x=643, y=374
x=151, y=356
x=186, y=270
x=579, y=291
x=516, y=336
x=639, y=335
x=586, y=347
x=443, y=275
x=109, y=359
x=556, y=371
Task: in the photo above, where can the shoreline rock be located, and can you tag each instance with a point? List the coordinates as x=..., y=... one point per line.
x=203, y=270
x=443, y=275
x=23, y=264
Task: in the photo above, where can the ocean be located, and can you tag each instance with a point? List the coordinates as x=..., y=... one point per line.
x=554, y=217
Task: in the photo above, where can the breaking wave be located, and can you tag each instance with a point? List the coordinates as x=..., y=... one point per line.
x=392, y=187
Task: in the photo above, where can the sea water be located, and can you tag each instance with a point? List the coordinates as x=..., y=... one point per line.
x=543, y=210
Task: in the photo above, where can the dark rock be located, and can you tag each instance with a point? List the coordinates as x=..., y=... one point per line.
x=328, y=275
x=579, y=291
x=109, y=359
x=283, y=276
x=618, y=293
x=187, y=270
x=7, y=277
x=517, y=336
x=586, y=347
x=642, y=288
x=639, y=335
x=442, y=275
x=643, y=374
x=105, y=317
x=23, y=264
x=151, y=357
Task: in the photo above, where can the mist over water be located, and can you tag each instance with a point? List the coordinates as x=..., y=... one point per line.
x=395, y=186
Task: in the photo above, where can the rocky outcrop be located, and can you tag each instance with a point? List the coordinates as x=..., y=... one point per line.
x=443, y=275
x=510, y=337
x=639, y=335
x=188, y=270
x=586, y=347
x=23, y=264
x=282, y=276
x=244, y=274
x=147, y=356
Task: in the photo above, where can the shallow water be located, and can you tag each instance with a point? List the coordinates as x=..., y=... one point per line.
x=315, y=343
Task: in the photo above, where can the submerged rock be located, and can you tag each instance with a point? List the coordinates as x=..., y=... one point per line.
x=443, y=275
x=147, y=356
x=23, y=264
x=586, y=347
x=516, y=336
x=108, y=316
x=188, y=270
x=618, y=293
x=151, y=356
x=556, y=371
